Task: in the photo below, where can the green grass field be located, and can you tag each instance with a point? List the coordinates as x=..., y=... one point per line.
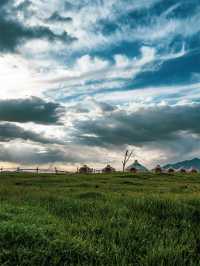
x=118, y=219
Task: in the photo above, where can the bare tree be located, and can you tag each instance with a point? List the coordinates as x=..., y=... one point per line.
x=127, y=157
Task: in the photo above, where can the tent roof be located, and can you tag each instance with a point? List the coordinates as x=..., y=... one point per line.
x=137, y=166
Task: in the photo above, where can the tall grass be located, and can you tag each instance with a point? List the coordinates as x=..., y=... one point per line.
x=100, y=220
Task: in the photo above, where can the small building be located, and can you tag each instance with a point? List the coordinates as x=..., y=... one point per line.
x=136, y=167
x=85, y=170
x=170, y=170
x=193, y=171
x=158, y=169
x=182, y=171
x=108, y=169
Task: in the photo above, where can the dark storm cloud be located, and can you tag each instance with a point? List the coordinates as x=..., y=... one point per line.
x=10, y=132
x=56, y=17
x=30, y=110
x=14, y=33
x=153, y=124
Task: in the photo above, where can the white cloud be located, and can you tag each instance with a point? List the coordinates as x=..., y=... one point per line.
x=17, y=77
x=104, y=72
x=176, y=92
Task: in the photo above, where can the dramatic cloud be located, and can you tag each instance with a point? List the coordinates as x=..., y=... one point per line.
x=153, y=124
x=30, y=110
x=10, y=132
x=27, y=154
x=83, y=80
x=36, y=154
x=14, y=33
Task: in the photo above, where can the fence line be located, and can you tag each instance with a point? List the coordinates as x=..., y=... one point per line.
x=32, y=170
x=38, y=170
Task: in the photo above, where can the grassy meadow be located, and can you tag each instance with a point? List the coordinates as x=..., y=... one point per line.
x=102, y=219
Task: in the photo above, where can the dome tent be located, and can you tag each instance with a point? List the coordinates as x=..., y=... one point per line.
x=170, y=170
x=108, y=169
x=182, y=170
x=136, y=167
x=85, y=170
x=193, y=171
x=158, y=169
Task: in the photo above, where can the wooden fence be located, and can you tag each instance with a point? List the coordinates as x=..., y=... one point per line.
x=32, y=170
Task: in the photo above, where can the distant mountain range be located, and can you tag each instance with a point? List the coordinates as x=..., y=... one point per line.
x=194, y=163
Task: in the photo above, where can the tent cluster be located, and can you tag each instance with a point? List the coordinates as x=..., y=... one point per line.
x=87, y=170
x=136, y=167
x=158, y=169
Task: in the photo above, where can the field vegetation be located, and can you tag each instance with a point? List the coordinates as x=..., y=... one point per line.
x=100, y=219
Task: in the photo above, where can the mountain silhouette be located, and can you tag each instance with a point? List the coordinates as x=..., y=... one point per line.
x=188, y=164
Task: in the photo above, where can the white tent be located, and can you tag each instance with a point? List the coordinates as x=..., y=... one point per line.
x=137, y=167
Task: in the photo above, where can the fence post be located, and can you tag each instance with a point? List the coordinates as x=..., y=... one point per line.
x=56, y=171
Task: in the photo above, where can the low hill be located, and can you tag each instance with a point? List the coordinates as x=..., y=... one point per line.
x=194, y=163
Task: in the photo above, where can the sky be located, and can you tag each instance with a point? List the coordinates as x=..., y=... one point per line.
x=81, y=81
